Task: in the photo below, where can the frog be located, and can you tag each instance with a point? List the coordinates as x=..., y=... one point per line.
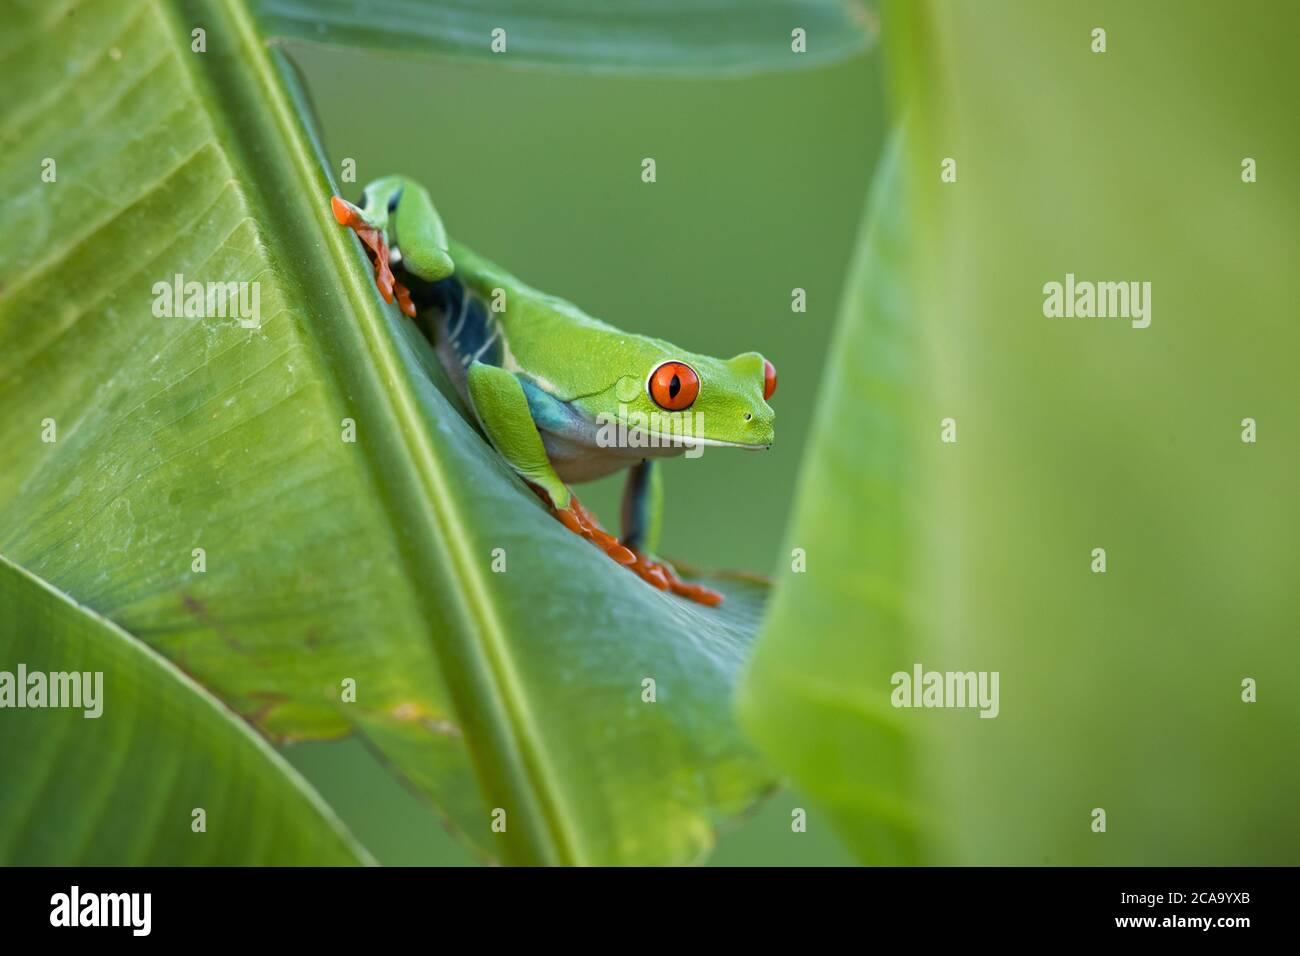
x=562, y=397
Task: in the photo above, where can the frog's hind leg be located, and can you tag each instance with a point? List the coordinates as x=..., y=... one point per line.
x=372, y=221
x=419, y=237
x=400, y=227
x=642, y=510
x=372, y=238
x=643, y=502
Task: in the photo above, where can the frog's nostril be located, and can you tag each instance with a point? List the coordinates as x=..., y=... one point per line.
x=748, y=416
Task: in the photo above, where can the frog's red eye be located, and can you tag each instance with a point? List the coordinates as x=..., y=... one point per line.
x=769, y=379
x=673, y=386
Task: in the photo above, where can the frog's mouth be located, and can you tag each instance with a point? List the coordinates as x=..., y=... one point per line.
x=640, y=431
x=689, y=441
x=719, y=443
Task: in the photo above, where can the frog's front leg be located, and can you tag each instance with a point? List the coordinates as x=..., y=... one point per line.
x=643, y=499
x=502, y=408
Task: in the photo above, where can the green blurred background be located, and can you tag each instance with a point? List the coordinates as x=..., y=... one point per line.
x=1120, y=691
x=760, y=188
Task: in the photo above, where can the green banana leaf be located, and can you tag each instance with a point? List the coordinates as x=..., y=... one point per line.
x=119, y=779
x=1123, y=692
x=679, y=36
x=841, y=616
x=190, y=479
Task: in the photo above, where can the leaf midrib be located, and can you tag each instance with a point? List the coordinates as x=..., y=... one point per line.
x=513, y=766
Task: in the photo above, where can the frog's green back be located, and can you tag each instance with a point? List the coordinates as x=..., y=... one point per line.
x=551, y=339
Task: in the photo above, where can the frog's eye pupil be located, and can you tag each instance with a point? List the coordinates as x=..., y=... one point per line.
x=673, y=386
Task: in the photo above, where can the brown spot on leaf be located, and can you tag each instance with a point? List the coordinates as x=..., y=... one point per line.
x=200, y=612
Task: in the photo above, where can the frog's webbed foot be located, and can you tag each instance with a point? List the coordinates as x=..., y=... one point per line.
x=373, y=239
x=582, y=522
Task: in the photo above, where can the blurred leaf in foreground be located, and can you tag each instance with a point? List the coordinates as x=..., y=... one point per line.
x=1123, y=691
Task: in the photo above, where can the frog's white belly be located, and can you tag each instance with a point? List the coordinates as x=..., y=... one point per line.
x=581, y=458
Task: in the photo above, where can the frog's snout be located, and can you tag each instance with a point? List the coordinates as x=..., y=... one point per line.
x=758, y=426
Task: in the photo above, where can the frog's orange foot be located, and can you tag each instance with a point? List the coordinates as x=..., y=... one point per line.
x=662, y=576
x=350, y=216
x=582, y=522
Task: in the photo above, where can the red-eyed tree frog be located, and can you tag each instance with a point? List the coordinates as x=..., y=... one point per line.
x=562, y=397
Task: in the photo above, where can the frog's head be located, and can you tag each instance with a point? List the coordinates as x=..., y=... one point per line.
x=708, y=400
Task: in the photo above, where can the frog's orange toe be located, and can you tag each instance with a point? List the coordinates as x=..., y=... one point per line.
x=655, y=576
x=665, y=579
x=404, y=299
x=696, y=592
x=621, y=554
x=346, y=213
x=350, y=216
x=569, y=520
